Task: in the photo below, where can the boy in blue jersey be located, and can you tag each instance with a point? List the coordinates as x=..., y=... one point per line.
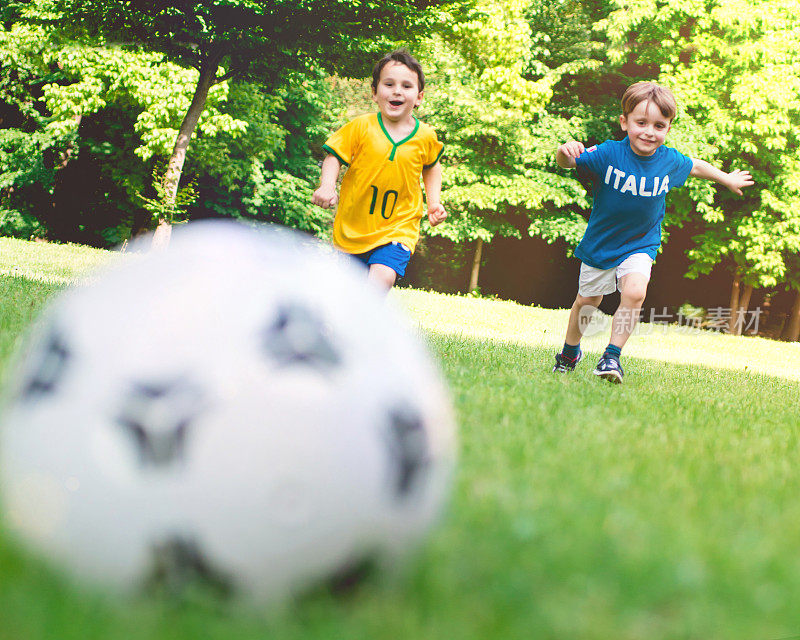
x=631, y=179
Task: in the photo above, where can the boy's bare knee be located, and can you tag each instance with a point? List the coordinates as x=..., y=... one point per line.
x=633, y=297
x=633, y=290
x=592, y=301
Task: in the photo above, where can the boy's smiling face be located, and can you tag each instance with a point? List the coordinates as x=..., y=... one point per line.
x=398, y=92
x=647, y=128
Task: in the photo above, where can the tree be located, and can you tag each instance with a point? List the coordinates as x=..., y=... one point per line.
x=244, y=39
x=101, y=110
x=26, y=175
x=267, y=174
x=487, y=98
x=584, y=104
x=732, y=65
x=792, y=278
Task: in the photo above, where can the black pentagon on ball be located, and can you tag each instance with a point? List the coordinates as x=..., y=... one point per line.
x=409, y=449
x=157, y=416
x=178, y=562
x=351, y=575
x=297, y=335
x=51, y=364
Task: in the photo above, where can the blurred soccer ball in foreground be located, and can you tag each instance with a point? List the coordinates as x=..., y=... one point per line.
x=241, y=408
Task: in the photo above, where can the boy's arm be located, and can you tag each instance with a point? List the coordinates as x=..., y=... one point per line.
x=432, y=177
x=567, y=152
x=325, y=196
x=734, y=180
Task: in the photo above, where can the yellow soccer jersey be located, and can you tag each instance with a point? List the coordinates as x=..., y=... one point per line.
x=380, y=200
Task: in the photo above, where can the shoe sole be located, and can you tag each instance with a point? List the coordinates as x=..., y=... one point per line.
x=610, y=376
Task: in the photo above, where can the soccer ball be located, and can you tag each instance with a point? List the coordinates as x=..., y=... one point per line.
x=242, y=408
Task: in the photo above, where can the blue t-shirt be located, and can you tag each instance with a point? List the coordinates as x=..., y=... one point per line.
x=629, y=200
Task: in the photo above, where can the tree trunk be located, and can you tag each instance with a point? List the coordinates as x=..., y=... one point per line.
x=780, y=327
x=66, y=155
x=162, y=235
x=208, y=72
x=793, y=329
x=741, y=312
x=734, y=304
x=476, y=266
x=766, y=311
x=64, y=194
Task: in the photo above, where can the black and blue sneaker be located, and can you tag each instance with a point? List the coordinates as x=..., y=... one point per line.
x=609, y=369
x=565, y=364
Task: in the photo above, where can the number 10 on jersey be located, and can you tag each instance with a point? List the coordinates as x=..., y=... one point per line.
x=384, y=203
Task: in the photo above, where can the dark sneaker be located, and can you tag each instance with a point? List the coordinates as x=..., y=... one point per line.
x=564, y=364
x=609, y=369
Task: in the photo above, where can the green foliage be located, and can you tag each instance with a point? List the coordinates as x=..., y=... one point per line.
x=733, y=66
x=57, y=95
x=252, y=39
x=268, y=174
x=69, y=65
x=27, y=149
x=21, y=158
x=159, y=92
x=16, y=223
x=102, y=93
x=163, y=206
x=489, y=100
x=114, y=113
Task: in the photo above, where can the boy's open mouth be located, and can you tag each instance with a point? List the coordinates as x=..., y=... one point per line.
x=395, y=103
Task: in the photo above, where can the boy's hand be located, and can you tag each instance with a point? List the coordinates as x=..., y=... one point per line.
x=567, y=152
x=738, y=179
x=325, y=197
x=436, y=214
x=572, y=149
x=734, y=180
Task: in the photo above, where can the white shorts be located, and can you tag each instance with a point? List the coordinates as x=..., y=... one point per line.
x=601, y=282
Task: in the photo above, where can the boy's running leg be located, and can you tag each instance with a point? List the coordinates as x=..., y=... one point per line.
x=382, y=275
x=581, y=311
x=633, y=289
x=387, y=263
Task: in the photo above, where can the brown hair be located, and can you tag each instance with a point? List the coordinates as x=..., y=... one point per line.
x=404, y=57
x=652, y=92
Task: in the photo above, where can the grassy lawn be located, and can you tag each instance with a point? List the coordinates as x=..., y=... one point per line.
x=667, y=507
x=31, y=272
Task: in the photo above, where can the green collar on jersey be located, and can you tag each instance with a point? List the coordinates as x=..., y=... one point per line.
x=397, y=144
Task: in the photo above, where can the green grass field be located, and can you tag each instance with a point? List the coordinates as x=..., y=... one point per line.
x=668, y=507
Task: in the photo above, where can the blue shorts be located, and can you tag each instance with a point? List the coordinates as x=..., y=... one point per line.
x=394, y=255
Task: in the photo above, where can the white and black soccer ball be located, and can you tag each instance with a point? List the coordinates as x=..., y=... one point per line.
x=243, y=408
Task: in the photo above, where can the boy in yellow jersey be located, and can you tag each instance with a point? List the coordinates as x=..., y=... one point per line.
x=380, y=207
